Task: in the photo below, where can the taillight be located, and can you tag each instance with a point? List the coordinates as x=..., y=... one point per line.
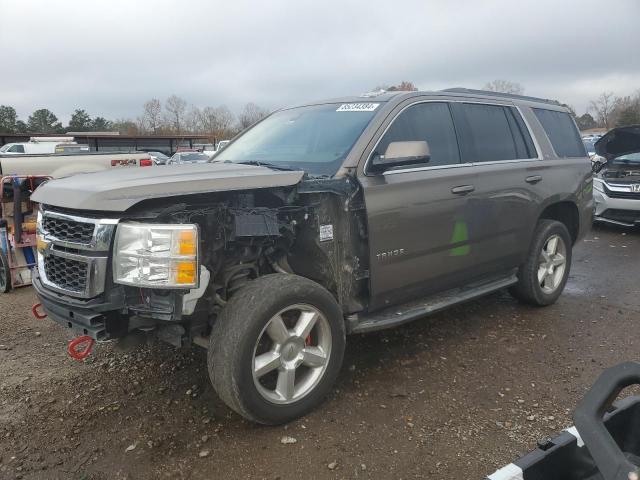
x=146, y=162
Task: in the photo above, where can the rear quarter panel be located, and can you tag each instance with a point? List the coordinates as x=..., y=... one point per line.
x=565, y=179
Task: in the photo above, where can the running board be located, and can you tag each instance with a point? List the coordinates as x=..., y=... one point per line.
x=407, y=312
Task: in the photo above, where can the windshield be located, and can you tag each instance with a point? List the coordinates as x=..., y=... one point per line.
x=315, y=139
x=4, y=148
x=626, y=159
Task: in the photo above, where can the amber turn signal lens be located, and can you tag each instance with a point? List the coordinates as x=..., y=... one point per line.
x=186, y=273
x=187, y=242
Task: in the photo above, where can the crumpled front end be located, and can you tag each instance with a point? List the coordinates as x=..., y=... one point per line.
x=74, y=282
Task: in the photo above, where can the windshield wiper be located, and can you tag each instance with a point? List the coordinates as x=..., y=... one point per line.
x=273, y=166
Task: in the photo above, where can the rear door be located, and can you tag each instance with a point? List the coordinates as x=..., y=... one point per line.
x=418, y=238
x=507, y=180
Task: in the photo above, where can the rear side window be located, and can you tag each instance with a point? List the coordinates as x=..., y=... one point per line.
x=494, y=132
x=430, y=121
x=562, y=133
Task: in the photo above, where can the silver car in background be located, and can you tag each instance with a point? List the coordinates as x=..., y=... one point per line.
x=188, y=157
x=616, y=184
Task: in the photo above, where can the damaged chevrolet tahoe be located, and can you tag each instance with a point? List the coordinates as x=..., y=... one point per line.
x=336, y=217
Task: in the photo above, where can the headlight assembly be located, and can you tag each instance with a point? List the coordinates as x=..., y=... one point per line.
x=156, y=256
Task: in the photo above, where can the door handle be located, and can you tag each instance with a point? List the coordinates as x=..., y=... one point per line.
x=533, y=179
x=463, y=189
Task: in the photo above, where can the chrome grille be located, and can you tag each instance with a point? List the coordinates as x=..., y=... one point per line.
x=68, y=274
x=74, y=256
x=69, y=230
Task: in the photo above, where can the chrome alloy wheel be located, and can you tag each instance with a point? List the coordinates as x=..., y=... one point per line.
x=291, y=354
x=552, y=264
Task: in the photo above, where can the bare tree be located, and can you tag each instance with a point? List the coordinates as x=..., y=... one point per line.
x=218, y=122
x=404, y=86
x=193, y=120
x=153, y=115
x=504, y=86
x=603, y=107
x=226, y=121
x=175, y=107
x=209, y=121
x=141, y=124
x=251, y=114
x=125, y=126
x=626, y=111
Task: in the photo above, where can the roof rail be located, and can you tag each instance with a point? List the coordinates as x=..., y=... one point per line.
x=500, y=94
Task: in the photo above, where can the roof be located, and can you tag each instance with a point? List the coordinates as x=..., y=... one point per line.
x=488, y=93
x=398, y=96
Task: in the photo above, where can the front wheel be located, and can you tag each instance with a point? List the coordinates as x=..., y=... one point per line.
x=276, y=348
x=544, y=274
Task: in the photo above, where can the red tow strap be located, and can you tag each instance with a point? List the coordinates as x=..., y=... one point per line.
x=75, y=353
x=35, y=310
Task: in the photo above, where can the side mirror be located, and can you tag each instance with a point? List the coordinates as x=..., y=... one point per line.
x=402, y=153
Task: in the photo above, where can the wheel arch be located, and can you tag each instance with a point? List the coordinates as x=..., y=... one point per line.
x=565, y=212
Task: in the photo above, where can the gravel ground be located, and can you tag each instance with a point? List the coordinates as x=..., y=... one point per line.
x=455, y=395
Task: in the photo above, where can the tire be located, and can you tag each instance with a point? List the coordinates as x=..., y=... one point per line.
x=530, y=289
x=5, y=274
x=249, y=329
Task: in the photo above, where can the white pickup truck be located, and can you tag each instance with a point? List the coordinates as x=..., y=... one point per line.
x=61, y=165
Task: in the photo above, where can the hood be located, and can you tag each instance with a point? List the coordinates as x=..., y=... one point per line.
x=119, y=189
x=619, y=141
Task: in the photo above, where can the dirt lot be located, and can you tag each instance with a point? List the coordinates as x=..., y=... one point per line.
x=455, y=395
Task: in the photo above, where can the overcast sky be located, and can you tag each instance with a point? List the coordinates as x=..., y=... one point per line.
x=108, y=57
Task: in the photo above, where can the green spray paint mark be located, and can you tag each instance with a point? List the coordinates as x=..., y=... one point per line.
x=460, y=234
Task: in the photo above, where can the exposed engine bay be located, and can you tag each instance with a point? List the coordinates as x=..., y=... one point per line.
x=243, y=235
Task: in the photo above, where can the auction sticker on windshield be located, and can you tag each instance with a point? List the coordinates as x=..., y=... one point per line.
x=357, y=107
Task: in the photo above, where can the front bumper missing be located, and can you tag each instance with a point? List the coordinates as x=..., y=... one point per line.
x=114, y=313
x=82, y=317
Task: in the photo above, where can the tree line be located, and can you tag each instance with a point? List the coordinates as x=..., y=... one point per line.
x=177, y=117
x=174, y=117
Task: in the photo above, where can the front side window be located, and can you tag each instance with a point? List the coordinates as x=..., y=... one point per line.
x=493, y=133
x=315, y=138
x=430, y=122
x=562, y=133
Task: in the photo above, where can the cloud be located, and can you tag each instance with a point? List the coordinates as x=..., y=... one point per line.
x=110, y=56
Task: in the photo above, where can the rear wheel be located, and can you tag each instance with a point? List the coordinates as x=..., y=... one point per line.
x=276, y=348
x=544, y=274
x=5, y=274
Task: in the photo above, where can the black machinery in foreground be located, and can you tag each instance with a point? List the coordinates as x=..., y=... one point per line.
x=604, y=444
